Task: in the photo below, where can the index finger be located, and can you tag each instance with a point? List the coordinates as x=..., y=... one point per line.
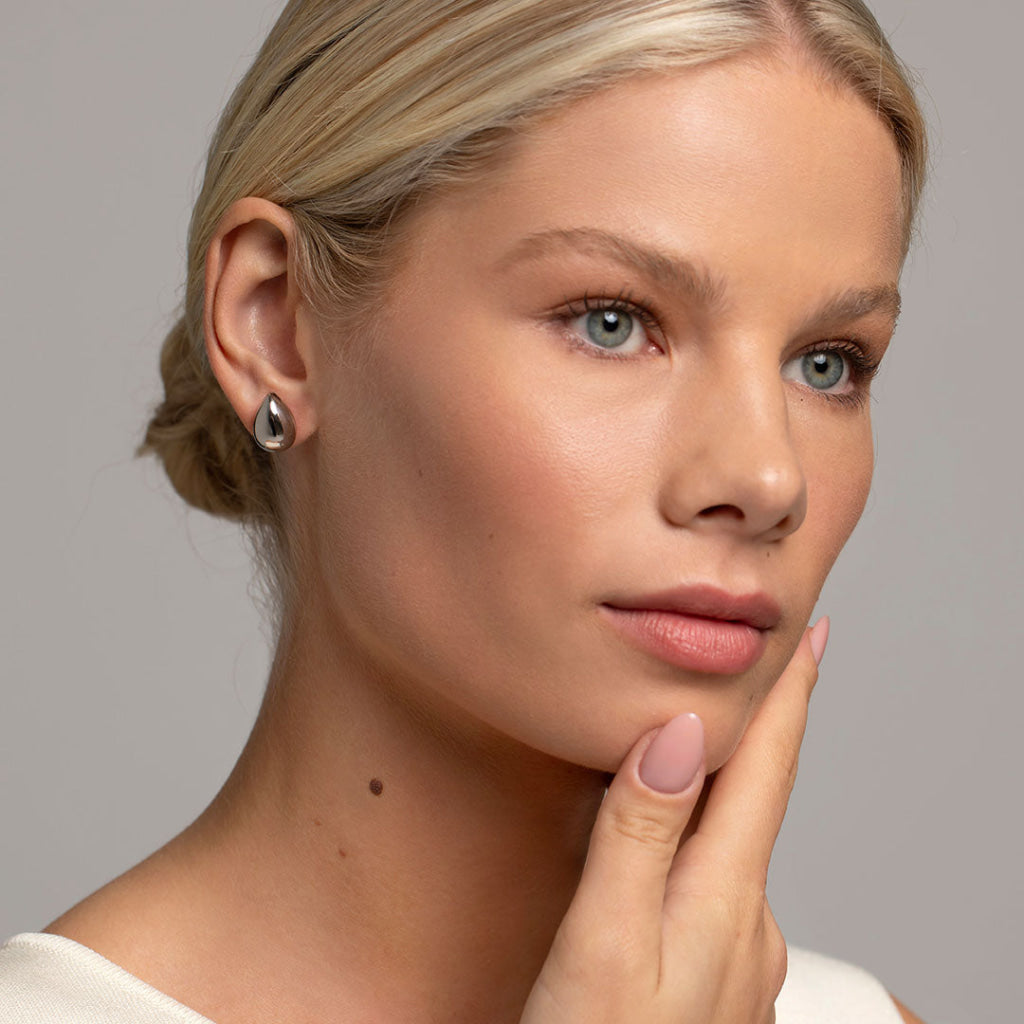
x=750, y=793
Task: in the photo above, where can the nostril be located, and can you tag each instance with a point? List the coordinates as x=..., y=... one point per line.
x=722, y=511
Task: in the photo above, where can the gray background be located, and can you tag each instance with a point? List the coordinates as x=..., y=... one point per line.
x=133, y=657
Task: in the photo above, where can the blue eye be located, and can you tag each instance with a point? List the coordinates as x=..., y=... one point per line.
x=825, y=370
x=611, y=329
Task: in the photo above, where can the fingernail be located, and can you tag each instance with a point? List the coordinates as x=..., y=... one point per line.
x=819, y=638
x=675, y=756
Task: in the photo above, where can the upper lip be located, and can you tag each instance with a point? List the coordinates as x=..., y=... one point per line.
x=707, y=601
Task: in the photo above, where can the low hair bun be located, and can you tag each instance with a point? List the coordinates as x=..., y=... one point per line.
x=208, y=455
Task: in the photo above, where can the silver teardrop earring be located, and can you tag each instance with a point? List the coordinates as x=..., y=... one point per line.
x=273, y=428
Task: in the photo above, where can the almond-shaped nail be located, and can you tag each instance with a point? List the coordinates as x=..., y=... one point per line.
x=675, y=756
x=819, y=638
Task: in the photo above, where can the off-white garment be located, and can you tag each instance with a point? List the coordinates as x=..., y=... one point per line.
x=47, y=979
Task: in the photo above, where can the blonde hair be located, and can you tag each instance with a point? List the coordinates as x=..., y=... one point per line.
x=355, y=108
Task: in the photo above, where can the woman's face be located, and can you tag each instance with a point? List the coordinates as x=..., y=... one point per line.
x=610, y=428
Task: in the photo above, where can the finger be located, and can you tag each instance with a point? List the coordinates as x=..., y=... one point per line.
x=635, y=837
x=750, y=793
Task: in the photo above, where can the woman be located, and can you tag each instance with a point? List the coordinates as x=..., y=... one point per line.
x=556, y=320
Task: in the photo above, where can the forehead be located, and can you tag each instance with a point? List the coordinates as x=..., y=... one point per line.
x=752, y=166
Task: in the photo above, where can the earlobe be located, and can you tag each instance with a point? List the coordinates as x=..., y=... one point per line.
x=253, y=338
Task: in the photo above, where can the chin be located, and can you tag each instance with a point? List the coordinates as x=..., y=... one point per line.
x=725, y=710
x=721, y=744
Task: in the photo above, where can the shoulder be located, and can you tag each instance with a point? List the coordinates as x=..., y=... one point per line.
x=821, y=990
x=46, y=978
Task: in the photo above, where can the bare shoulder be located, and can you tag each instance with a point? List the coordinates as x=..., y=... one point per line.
x=908, y=1015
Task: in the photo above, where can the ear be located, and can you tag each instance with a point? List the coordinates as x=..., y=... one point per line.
x=252, y=315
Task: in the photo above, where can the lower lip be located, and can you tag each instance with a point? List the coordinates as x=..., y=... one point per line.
x=690, y=641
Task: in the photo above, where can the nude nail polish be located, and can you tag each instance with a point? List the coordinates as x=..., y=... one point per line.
x=819, y=638
x=674, y=757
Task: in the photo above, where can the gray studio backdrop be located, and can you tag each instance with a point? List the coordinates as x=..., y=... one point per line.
x=133, y=657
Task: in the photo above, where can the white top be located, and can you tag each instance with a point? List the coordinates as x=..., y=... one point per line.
x=47, y=978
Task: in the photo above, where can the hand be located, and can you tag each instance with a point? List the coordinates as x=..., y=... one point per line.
x=663, y=933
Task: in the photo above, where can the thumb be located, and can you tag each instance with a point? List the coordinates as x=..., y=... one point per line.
x=636, y=836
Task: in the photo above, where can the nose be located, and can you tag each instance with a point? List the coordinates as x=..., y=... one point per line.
x=731, y=463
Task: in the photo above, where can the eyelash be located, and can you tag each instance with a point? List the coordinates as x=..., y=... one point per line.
x=863, y=368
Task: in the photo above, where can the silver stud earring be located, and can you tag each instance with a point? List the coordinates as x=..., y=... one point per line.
x=274, y=428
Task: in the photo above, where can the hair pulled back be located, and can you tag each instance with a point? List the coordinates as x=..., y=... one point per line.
x=355, y=108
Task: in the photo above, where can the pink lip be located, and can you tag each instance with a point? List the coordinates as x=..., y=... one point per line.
x=700, y=628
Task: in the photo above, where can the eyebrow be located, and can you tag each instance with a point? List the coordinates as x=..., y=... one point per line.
x=673, y=272
x=686, y=276
x=855, y=303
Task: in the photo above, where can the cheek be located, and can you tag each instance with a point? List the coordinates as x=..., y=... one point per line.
x=836, y=450
x=837, y=489
x=486, y=443
x=456, y=490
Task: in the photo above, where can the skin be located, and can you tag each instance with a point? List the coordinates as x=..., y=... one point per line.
x=474, y=480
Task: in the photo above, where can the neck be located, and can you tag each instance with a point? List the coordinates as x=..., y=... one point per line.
x=417, y=873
